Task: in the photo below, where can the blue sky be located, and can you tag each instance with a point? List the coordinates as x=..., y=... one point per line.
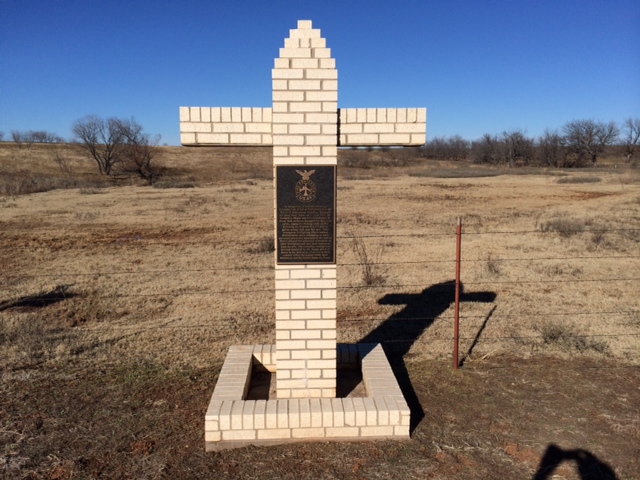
x=478, y=66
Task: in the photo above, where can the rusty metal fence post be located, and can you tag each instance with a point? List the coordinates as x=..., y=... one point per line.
x=456, y=329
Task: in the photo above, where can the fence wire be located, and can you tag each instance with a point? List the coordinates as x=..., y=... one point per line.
x=139, y=241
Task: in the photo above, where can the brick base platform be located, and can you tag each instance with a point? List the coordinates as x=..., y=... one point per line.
x=232, y=421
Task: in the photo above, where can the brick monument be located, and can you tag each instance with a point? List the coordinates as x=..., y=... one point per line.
x=305, y=128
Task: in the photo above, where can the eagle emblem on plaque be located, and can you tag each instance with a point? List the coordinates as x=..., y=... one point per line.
x=305, y=188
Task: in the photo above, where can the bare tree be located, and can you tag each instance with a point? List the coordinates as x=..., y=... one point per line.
x=551, y=149
x=140, y=150
x=1, y=136
x=588, y=139
x=517, y=148
x=17, y=137
x=443, y=148
x=458, y=147
x=102, y=139
x=487, y=150
x=42, y=136
x=116, y=145
x=631, y=138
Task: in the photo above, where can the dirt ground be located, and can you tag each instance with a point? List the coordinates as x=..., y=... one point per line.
x=118, y=302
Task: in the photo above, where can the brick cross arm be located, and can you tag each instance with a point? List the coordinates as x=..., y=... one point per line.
x=246, y=126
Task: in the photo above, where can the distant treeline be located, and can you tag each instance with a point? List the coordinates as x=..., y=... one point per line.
x=578, y=143
x=29, y=137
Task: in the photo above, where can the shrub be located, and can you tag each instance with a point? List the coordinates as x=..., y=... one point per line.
x=265, y=245
x=568, y=337
x=579, y=179
x=565, y=227
x=367, y=260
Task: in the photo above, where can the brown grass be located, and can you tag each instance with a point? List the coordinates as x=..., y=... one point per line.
x=114, y=320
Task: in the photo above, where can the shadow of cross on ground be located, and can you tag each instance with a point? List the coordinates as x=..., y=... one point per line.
x=399, y=332
x=39, y=300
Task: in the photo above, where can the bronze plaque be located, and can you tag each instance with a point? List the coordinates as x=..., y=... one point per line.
x=306, y=214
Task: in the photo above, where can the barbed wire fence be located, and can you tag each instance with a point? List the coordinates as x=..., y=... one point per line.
x=473, y=324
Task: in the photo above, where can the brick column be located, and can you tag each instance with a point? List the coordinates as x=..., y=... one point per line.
x=304, y=132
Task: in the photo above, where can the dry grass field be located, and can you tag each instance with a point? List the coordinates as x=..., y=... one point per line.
x=118, y=302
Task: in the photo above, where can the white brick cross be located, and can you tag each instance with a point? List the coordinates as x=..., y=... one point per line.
x=305, y=127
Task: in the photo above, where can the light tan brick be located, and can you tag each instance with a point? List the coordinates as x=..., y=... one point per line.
x=330, y=355
x=213, y=138
x=274, y=434
x=227, y=127
x=205, y=114
x=322, y=118
x=255, y=127
x=325, y=283
x=288, y=118
x=295, y=53
x=410, y=127
x=321, y=324
x=281, y=354
x=225, y=415
x=305, y=107
x=349, y=412
x=320, y=140
x=394, y=139
x=362, y=139
x=377, y=431
x=315, y=410
x=305, y=128
x=283, y=295
x=283, y=413
x=305, y=151
x=317, y=432
x=236, y=415
x=290, y=305
x=306, y=334
x=338, y=412
x=195, y=127
x=327, y=63
x=321, y=95
x=290, y=284
x=321, y=52
x=211, y=425
x=327, y=412
x=248, y=414
x=259, y=414
x=291, y=364
x=187, y=138
x=322, y=304
x=210, y=436
x=306, y=314
x=321, y=363
x=292, y=140
x=245, y=138
x=306, y=273
x=287, y=73
x=303, y=63
x=271, y=414
x=305, y=413
x=338, y=432
x=291, y=324
x=360, y=411
x=379, y=128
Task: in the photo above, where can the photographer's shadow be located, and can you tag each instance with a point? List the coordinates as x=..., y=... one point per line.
x=400, y=331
